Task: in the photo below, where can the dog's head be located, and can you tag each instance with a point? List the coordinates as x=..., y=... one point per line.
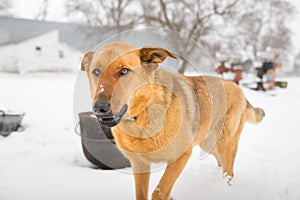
x=121, y=80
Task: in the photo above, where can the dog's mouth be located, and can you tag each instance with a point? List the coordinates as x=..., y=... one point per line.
x=110, y=119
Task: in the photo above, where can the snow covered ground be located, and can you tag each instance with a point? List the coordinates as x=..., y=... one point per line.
x=45, y=161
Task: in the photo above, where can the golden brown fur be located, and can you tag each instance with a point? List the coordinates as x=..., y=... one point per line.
x=171, y=113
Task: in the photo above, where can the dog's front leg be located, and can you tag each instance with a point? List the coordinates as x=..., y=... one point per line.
x=173, y=170
x=141, y=178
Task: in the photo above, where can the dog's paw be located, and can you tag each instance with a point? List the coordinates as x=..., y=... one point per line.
x=229, y=179
x=157, y=194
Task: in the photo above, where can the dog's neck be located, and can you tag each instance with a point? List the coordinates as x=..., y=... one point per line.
x=152, y=103
x=170, y=116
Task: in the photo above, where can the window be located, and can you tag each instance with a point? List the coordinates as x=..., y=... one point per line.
x=38, y=48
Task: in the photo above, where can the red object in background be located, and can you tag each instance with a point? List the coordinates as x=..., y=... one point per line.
x=221, y=69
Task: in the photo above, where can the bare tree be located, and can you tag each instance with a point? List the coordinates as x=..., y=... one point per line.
x=281, y=13
x=239, y=27
x=4, y=6
x=197, y=19
x=104, y=13
x=43, y=12
x=266, y=25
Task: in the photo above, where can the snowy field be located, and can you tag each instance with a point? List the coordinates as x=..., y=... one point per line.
x=45, y=161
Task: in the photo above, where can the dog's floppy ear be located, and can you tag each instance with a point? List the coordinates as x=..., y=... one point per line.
x=154, y=55
x=86, y=60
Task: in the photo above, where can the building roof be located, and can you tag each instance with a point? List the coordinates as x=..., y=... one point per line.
x=84, y=38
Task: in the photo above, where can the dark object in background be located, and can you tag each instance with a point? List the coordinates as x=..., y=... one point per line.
x=98, y=144
x=260, y=72
x=9, y=122
x=281, y=84
x=264, y=68
x=260, y=86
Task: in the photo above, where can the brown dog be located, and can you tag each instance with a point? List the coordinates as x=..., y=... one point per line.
x=159, y=116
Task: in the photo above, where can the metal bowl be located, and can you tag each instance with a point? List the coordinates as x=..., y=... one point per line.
x=98, y=144
x=9, y=122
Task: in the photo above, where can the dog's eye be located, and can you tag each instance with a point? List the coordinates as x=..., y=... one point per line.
x=123, y=71
x=96, y=72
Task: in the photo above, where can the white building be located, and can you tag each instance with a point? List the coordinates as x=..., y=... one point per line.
x=43, y=52
x=32, y=45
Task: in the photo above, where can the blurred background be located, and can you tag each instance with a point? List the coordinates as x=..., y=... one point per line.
x=42, y=43
x=233, y=31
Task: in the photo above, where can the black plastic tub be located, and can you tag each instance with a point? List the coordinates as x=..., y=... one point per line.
x=10, y=122
x=98, y=144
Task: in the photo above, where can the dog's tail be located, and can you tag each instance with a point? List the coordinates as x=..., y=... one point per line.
x=254, y=115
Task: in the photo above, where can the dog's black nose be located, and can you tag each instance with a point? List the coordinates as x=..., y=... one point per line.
x=101, y=107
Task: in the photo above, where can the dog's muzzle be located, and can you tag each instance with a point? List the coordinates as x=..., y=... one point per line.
x=105, y=116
